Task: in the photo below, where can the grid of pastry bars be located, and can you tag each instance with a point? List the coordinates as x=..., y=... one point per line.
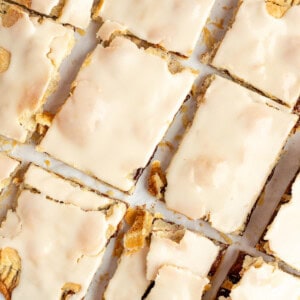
x=192, y=122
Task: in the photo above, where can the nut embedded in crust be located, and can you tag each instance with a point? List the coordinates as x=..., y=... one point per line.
x=10, y=268
x=157, y=180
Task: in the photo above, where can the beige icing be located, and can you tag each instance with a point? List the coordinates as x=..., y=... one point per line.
x=173, y=24
x=58, y=243
x=266, y=282
x=7, y=167
x=62, y=190
x=36, y=48
x=227, y=155
x=108, y=28
x=267, y=55
x=194, y=252
x=129, y=281
x=177, y=284
x=281, y=242
x=74, y=12
x=124, y=101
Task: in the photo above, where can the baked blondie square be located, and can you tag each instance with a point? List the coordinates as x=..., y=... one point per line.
x=262, y=48
x=53, y=242
x=168, y=254
x=8, y=167
x=172, y=24
x=122, y=102
x=280, y=240
x=73, y=12
x=226, y=156
x=253, y=278
x=31, y=51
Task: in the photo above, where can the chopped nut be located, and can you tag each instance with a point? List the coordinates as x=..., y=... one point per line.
x=70, y=289
x=10, y=268
x=136, y=236
x=157, y=180
x=277, y=8
x=11, y=16
x=5, y=57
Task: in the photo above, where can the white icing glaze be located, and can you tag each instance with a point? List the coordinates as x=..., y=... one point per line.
x=177, y=284
x=282, y=243
x=194, y=252
x=266, y=282
x=227, y=155
x=173, y=24
x=124, y=101
x=77, y=13
x=74, y=12
x=108, y=28
x=62, y=190
x=57, y=244
x=36, y=48
x=7, y=167
x=129, y=281
x=267, y=52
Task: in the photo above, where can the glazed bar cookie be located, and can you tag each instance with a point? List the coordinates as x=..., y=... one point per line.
x=266, y=55
x=280, y=242
x=73, y=12
x=156, y=256
x=173, y=24
x=8, y=167
x=255, y=279
x=52, y=244
x=236, y=135
x=31, y=51
x=122, y=103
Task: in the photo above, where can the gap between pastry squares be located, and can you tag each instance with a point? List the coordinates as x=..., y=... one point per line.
x=284, y=172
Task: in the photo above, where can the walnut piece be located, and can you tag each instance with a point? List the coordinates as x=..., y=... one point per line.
x=277, y=8
x=157, y=180
x=10, y=270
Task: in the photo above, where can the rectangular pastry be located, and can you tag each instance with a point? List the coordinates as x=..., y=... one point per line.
x=122, y=103
x=267, y=55
x=236, y=135
x=279, y=238
x=53, y=242
x=8, y=167
x=73, y=12
x=173, y=24
x=156, y=256
x=253, y=278
x=31, y=51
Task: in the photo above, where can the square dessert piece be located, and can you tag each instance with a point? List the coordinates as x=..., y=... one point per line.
x=174, y=25
x=227, y=154
x=255, y=279
x=31, y=51
x=54, y=241
x=122, y=103
x=73, y=12
x=163, y=253
x=281, y=242
x=262, y=48
x=8, y=167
